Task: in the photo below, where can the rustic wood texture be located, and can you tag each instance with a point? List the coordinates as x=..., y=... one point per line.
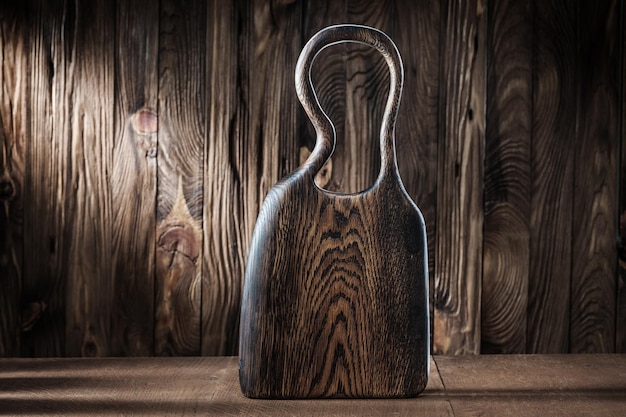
x=351, y=81
x=507, y=179
x=87, y=201
x=252, y=143
x=13, y=136
x=367, y=86
x=595, y=204
x=329, y=78
x=620, y=322
x=458, y=386
x=46, y=247
x=226, y=163
x=181, y=138
x=416, y=34
x=323, y=313
x=535, y=385
x=553, y=130
x=459, y=224
x=138, y=140
x=134, y=172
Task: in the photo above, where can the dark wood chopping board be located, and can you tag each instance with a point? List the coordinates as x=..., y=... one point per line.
x=335, y=299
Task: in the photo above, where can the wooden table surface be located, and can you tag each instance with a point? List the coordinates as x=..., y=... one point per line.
x=494, y=385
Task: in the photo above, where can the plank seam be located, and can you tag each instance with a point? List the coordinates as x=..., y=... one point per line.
x=445, y=391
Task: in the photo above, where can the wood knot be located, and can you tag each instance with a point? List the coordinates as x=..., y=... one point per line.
x=31, y=314
x=90, y=349
x=7, y=189
x=145, y=121
x=180, y=239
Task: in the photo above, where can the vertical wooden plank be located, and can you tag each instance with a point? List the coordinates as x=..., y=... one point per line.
x=416, y=34
x=253, y=142
x=226, y=162
x=263, y=147
x=620, y=319
x=352, y=83
x=87, y=220
x=553, y=131
x=133, y=179
x=275, y=45
x=367, y=88
x=507, y=177
x=595, y=204
x=67, y=278
x=328, y=76
x=46, y=180
x=13, y=136
x=182, y=133
x=459, y=227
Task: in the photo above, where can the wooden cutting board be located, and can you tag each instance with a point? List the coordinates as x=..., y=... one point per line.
x=335, y=300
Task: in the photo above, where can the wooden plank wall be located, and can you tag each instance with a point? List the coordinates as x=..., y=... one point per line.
x=138, y=140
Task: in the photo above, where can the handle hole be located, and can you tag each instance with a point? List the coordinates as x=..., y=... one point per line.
x=351, y=82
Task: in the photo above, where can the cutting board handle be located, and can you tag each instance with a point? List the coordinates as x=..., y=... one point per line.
x=324, y=128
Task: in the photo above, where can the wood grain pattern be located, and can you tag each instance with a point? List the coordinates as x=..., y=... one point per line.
x=594, y=253
x=46, y=183
x=329, y=78
x=323, y=314
x=459, y=386
x=620, y=320
x=504, y=296
x=351, y=81
x=416, y=33
x=13, y=136
x=252, y=142
x=274, y=42
x=173, y=386
x=182, y=133
x=367, y=85
x=134, y=178
x=459, y=224
x=89, y=88
x=554, y=110
x=87, y=165
x=534, y=385
x=226, y=234
x=329, y=323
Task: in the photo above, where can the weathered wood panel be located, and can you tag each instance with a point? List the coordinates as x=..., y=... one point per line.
x=181, y=137
x=459, y=224
x=620, y=321
x=416, y=34
x=253, y=143
x=495, y=385
x=226, y=165
x=367, y=88
x=13, y=137
x=535, y=385
x=84, y=232
x=88, y=162
x=352, y=84
x=595, y=203
x=133, y=179
x=328, y=76
x=507, y=177
x=274, y=41
x=46, y=181
x=554, y=115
